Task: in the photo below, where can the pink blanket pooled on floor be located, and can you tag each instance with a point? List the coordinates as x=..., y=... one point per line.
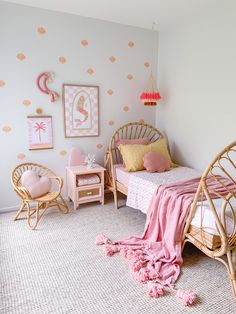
x=156, y=255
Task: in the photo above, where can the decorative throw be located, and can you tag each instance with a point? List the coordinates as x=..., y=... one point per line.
x=155, y=257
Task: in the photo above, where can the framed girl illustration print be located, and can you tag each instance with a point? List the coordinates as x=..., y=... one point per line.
x=39, y=132
x=80, y=110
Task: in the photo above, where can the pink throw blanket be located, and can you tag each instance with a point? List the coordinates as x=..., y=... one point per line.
x=156, y=255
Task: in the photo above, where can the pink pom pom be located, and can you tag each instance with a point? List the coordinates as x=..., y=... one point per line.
x=137, y=265
x=155, y=290
x=141, y=275
x=123, y=251
x=187, y=297
x=102, y=239
x=153, y=274
x=109, y=250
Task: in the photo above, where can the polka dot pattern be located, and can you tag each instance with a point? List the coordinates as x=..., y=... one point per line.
x=112, y=59
x=99, y=146
x=20, y=56
x=90, y=71
x=84, y=42
x=130, y=44
x=62, y=59
x=147, y=64
x=141, y=121
x=126, y=108
x=26, y=102
x=63, y=152
x=111, y=122
x=2, y=83
x=6, y=129
x=39, y=110
x=130, y=77
x=41, y=30
x=20, y=156
x=110, y=92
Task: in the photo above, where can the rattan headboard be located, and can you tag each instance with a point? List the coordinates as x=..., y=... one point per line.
x=132, y=130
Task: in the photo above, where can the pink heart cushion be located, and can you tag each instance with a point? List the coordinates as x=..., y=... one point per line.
x=156, y=162
x=36, y=185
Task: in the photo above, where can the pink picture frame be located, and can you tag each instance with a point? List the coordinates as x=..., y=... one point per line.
x=40, y=132
x=81, y=110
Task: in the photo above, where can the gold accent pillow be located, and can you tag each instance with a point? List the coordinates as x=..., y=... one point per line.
x=133, y=154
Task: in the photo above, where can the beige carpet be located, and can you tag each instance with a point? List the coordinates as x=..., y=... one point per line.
x=58, y=269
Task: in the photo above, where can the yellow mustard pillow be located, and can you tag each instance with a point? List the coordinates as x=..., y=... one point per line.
x=133, y=154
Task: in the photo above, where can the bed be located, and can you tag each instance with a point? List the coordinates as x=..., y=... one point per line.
x=211, y=224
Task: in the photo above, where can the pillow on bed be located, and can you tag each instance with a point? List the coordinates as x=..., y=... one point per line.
x=139, y=141
x=156, y=162
x=133, y=154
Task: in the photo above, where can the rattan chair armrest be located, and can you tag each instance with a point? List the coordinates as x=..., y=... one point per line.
x=25, y=193
x=59, y=180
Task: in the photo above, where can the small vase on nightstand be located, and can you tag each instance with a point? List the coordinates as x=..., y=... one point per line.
x=90, y=160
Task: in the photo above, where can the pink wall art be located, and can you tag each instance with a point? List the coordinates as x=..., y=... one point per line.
x=40, y=132
x=81, y=110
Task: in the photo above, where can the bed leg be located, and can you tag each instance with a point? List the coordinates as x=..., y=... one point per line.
x=232, y=273
x=115, y=199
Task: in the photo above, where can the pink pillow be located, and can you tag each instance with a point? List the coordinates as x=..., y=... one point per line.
x=156, y=162
x=36, y=185
x=140, y=141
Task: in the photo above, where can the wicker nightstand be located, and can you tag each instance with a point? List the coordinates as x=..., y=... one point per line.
x=91, y=190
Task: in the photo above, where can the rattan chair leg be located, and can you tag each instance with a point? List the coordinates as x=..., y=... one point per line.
x=20, y=210
x=231, y=273
x=37, y=216
x=62, y=206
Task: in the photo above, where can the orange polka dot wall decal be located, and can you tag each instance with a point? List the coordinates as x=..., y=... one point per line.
x=2, y=83
x=84, y=42
x=141, y=121
x=62, y=59
x=147, y=64
x=99, y=146
x=125, y=108
x=20, y=56
x=41, y=30
x=111, y=122
x=26, y=102
x=21, y=156
x=110, y=92
x=39, y=110
x=90, y=71
x=63, y=152
x=112, y=59
x=6, y=128
x=130, y=77
x=130, y=44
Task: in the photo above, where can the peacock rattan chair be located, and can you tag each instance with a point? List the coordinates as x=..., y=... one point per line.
x=224, y=244
x=35, y=207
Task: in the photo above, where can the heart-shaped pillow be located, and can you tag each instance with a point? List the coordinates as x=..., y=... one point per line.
x=36, y=185
x=156, y=162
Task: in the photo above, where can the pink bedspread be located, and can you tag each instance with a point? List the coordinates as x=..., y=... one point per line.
x=156, y=255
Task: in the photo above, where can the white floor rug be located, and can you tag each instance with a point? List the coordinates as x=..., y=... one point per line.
x=58, y=269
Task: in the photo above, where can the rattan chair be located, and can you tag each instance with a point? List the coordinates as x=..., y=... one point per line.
x=35, y=207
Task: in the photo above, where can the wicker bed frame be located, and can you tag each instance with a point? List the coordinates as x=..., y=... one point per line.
x=133, y=130
x=221, y=247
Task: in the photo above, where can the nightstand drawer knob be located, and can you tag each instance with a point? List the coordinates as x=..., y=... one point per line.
x=89, y=193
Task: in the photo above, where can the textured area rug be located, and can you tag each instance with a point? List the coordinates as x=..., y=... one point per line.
x=58, y=269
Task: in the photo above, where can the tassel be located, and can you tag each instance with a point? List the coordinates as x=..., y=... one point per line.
x=155, y=290
x=109, y=250
x=102, y=239
x=187, y=297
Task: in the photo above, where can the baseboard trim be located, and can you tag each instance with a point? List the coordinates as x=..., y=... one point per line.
x=9, y=209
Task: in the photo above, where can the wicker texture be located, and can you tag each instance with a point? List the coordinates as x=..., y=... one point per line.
x=218, y=247
x=35, y=207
